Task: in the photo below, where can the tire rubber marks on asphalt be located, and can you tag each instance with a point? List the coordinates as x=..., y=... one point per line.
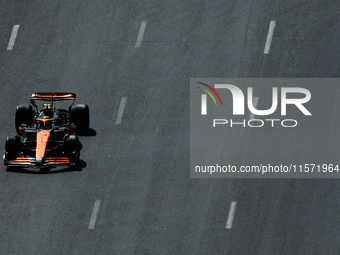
x=140, y=34
x=231, y=215
x=13, y=37
x=272, y=25
x=94, y=214
x=121, y=110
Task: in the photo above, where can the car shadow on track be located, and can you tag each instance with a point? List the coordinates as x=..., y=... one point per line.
x=48, y=170
x=90, y=132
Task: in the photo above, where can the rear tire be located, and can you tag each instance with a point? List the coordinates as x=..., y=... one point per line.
x=23, y=115
x=80, y=116
x=12, y=147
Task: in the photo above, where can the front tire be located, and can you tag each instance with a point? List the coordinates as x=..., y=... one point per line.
x=71, y=147
x=12, y=147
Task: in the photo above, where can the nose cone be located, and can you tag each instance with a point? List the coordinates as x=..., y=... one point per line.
x=42, y=138
x=39, y=161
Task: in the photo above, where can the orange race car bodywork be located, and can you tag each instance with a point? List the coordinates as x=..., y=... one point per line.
x=47, y=138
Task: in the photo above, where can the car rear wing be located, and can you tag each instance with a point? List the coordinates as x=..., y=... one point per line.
x=47, y=96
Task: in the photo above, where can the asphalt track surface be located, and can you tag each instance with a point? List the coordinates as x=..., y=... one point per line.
x=139, y=169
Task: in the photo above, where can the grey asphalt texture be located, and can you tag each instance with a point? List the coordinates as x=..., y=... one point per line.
x=140, y=168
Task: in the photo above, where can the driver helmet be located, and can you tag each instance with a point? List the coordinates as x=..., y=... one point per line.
x=48, y=111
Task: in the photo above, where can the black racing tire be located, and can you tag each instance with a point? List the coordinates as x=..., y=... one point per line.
x=23, y=115
x=80, y=116
x=12, y=147
x=71, y=144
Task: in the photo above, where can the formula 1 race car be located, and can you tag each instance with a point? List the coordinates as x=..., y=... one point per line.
x=47, y=137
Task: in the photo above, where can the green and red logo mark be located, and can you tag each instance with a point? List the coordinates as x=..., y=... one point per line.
x=208, y=92
x=204, y=97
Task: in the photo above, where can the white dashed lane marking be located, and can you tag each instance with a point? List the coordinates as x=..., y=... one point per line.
x=231, y=215
x=255, y=103
x=272, y=25
x=94, y=214
x=13, y=37
x=140, y=34
x=121, y=110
